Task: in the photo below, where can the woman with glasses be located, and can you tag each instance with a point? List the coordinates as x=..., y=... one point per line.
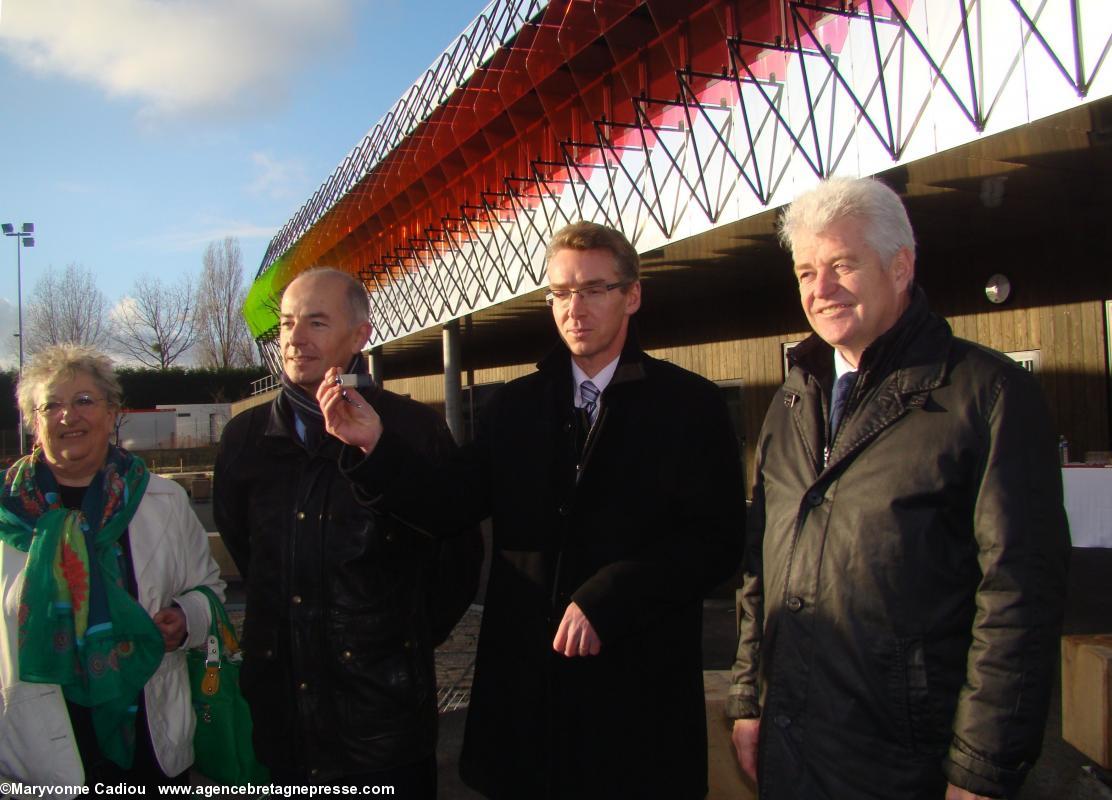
x=97, y=559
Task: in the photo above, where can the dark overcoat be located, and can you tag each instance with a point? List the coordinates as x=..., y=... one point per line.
x=634, y=525
x=902, y=600
x=344, y=605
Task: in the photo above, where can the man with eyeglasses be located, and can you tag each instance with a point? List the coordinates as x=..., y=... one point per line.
x=614, y=486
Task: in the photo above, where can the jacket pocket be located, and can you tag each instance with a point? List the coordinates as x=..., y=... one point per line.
x=921, y=723
x=36, y=739
x=375, y=672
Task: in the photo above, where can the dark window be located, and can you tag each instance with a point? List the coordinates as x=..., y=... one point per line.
x=475, y=399
x=731, y=393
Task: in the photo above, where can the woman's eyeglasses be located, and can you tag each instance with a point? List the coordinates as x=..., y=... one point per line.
x=79, y=404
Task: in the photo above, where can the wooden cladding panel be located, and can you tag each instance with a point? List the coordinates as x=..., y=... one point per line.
x=757, y=362
x=427, y=389
x=1070, y=337
x=499, y=374
x=1072, y=342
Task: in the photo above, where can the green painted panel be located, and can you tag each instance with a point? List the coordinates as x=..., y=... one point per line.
x=260, y=309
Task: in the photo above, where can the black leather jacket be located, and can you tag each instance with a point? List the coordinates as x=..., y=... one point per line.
x=902, y=600
x=339, y=631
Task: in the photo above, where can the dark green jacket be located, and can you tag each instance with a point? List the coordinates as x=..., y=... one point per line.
x=900, y=613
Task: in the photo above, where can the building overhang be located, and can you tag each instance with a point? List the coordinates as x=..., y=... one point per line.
x=686, y=123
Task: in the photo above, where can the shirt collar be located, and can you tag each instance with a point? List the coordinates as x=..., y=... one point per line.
x=601, y=380
x=841, y=366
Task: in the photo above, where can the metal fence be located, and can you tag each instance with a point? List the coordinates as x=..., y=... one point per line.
x=265, y=384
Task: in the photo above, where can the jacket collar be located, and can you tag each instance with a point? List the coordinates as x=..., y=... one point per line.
x=556, y=365
x=280, y=425
x=280, y=421
x=896, y=373
x=556, y=369
x=916, y=348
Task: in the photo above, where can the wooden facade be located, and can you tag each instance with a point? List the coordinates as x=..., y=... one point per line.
x=1033, y=204
x=739, y=336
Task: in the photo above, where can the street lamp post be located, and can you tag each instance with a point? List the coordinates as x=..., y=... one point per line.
x=25, y=236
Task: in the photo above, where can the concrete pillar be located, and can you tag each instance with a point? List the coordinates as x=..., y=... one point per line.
x=374, y=360
x=453, y=395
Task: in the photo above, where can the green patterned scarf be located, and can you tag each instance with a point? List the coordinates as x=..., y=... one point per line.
x=78, y=626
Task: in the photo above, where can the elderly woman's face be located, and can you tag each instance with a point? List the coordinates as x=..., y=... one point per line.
x=73, y=423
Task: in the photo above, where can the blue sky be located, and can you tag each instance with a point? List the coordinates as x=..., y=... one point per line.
x=134, y=132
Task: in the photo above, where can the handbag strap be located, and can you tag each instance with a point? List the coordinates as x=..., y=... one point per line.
x=219, y=613
x=220, y=642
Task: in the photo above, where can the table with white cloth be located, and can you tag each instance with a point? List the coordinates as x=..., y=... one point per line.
x=1088, y=499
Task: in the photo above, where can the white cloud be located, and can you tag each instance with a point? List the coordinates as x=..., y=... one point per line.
x=185, y=240
x=124, y=308
x=277, y=179
x=175, y=57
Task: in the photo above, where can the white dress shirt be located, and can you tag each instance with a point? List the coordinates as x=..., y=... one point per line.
x=601, y=380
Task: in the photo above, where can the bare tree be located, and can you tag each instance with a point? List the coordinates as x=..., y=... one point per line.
x=66, y=308
x=223, y=339
x=155, y=325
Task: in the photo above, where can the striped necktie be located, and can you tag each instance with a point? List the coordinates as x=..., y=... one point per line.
x=589, y=392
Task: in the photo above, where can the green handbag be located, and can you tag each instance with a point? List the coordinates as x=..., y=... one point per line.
x=222, y=749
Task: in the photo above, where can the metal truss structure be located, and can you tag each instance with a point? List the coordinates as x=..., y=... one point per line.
x=663, y=118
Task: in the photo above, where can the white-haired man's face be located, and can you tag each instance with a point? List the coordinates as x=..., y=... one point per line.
x=849, y=294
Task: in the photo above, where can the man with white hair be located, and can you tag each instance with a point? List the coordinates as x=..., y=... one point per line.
x=907, y=545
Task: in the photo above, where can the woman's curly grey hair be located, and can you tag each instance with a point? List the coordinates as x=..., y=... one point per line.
x=60, y=362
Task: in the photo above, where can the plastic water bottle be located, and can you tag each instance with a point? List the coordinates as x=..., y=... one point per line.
x=1063, y=451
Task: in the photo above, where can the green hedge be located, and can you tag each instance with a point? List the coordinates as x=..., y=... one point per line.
x=9, y=417
x=146, y=388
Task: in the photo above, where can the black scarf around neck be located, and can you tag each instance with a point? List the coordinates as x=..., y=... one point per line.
x=305, y=406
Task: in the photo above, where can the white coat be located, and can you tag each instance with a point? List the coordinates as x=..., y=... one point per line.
x=170, y=553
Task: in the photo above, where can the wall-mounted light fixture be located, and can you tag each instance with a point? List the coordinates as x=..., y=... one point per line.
x=998, y=288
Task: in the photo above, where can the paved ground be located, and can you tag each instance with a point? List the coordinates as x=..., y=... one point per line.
x=1062, y=772
x=1058, y=775
x=204, y=513
x=455, y=663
